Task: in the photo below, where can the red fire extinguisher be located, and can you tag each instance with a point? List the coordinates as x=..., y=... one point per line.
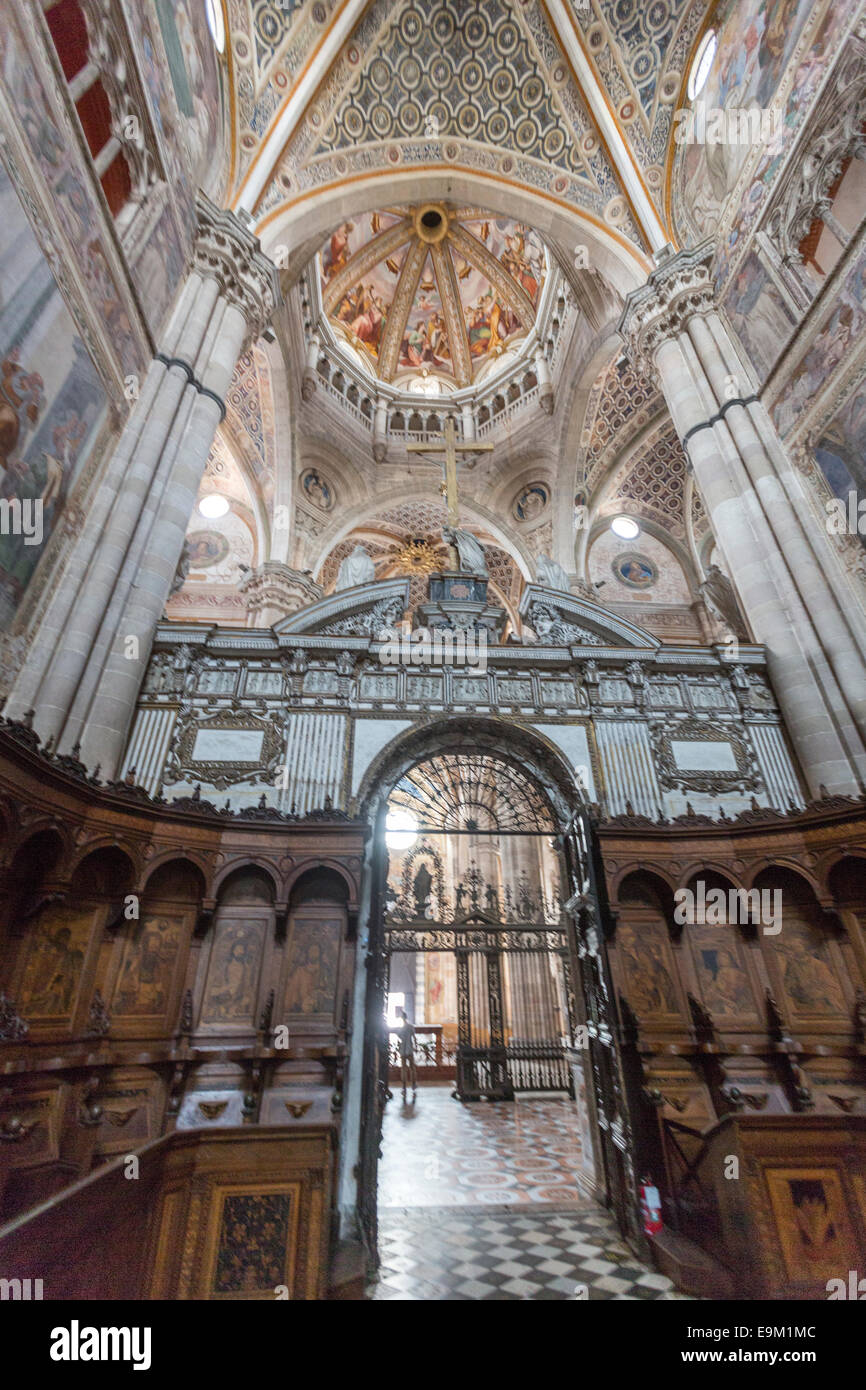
x=650, y=1207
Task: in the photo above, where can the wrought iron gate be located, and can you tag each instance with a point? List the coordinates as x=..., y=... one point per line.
x=513, y=986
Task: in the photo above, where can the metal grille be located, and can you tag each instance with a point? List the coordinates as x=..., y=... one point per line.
x=472, y=792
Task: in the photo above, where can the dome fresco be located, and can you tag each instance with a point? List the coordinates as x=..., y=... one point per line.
x=431, y=289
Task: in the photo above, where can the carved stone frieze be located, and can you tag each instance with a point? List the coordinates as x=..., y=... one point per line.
x=273, y=590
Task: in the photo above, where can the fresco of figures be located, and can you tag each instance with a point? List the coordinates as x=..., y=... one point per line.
x=490, y=321
x=755, y=43
x=51, y=400
x=842, y=329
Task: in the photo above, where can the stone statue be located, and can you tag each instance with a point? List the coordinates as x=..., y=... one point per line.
x=357, y=568
x=182, y=571
x=551, y=574
x=468, y=549
x=717, y=592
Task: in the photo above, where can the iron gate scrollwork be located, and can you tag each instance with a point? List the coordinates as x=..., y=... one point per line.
x=500, y=965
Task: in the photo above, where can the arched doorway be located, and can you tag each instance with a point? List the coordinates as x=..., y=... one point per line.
x=483, y=862
x=475, y=926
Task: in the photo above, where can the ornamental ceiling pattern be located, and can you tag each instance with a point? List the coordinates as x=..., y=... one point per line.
x=250, y=417
x=641, y=52
x=270, y=44
x=487, y=89
x=431, y=287
x=620, y=403
x=656, y=481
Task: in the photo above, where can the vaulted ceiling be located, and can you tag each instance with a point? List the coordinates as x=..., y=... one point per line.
x=573, y=98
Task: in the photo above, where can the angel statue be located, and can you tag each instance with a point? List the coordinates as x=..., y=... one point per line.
x=357, y=568
x=551, y=574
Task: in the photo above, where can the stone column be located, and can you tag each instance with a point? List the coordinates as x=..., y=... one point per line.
x=787, y=575
x=91, y=655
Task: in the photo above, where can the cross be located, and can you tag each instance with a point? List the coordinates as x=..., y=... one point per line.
x=451, y=449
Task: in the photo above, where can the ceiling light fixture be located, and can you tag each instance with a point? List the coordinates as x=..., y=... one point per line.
x=625, y=527
x=213, y=505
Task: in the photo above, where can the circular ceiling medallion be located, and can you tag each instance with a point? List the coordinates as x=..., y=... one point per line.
x=530, y=502
x=634, y=570
x=206, y=548
x=669, y=86
x=317, y=489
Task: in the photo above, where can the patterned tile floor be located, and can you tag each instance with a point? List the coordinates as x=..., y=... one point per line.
x=479, y=1202
x=440, y=1152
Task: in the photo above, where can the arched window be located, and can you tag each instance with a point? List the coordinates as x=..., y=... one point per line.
x=68, y=27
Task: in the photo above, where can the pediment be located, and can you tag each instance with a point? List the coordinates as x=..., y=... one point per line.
x=578, y=622
x=360, y=612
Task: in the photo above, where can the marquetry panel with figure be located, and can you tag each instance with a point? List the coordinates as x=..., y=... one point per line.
x=316, y=966
x=810, y=975
x=53, y=954
x=233, y=958
x=145, y=971
x=642, y=959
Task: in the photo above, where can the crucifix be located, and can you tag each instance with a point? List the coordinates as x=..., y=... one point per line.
x=450, y=448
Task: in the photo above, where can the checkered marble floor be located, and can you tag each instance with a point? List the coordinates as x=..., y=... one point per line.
x=490, y=1254
x=480, y=1202
x=442, y=1152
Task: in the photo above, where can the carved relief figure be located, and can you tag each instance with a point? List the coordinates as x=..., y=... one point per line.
x=357, y=568
x=550, y=573
x=469, y=550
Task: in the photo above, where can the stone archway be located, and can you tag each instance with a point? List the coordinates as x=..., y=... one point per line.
x=565, y=823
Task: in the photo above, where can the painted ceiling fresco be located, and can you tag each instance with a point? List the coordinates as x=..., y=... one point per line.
x=432, y=287
x=772, y=56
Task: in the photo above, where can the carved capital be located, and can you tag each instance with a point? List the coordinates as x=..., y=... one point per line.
x=228, y=252
x=678, y=289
